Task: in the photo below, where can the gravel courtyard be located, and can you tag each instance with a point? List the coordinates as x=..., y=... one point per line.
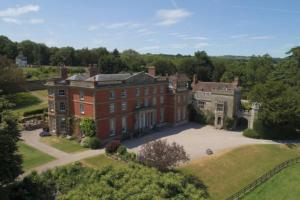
x=196, y=139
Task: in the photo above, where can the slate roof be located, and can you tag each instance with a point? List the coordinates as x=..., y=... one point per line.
x=210, y=86
x=109, y=77
x=78, y=77
x=179, y=77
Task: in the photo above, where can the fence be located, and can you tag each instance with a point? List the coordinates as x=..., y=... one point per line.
x=263, y=179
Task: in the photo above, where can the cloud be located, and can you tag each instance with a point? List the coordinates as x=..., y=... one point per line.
x=145, y=31
x=148, y=48
x=116, y=25
x=19, y=10
x=201, y=45
x=36, y=21
x=178, y=45
x=239, y=36
x=262, y=37
x=11, y=20
x=194, y=38
x=171, y=16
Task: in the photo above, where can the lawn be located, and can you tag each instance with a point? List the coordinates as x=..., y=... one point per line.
x=63, y=144
x=28, y=101
x=32, y=157
x=285, y=185
x=100, y=161
x=227, y=173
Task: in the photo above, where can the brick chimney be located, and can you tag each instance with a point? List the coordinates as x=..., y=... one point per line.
x=151, y=70
x=63, y=72
x=93, y=70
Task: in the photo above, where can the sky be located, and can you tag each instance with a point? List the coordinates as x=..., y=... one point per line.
x=219, y=27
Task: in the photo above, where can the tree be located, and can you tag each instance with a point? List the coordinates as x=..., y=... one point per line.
x=7, y=47
x=161, y=155
x=10, y=160
x=133, y=60
x=11, y=77
x=87, y=127
x=204, y=67
x=164, y=66
x=279, y=114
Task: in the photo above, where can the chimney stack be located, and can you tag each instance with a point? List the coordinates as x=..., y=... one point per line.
x=236, y=81
x=92, y=70
x=151, y=70
x=63, y=72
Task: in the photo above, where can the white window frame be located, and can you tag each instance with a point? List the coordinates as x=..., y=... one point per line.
x=138, y=103
x=154, y=101
x=154, y=90
x=146, y=102
x=112, y=108
x=146, y=91
x=124, y=105
x=61, y=92
x=81, y=95
x=124, y=123
x=62, y=107
x=112, y=126
x=112, y=94
x=137, y=92
x=123, y=93
x=81, y=108
x=161, y=99
x=162, y=88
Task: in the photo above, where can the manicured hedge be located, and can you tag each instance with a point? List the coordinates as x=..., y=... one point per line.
x=34, y=112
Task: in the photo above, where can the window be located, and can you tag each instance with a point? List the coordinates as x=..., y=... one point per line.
x=61, y=92
x=123, y=93
x=112, y=127
x=124, y=124
x=146, y=91
x=201, y=104
x=138, y=104
x=178, y=99
x=82, y=108
x=154, y=91
x=162, y=89
x=62, y=107
x=162, y=116
x=112, y=108
x=219, y=120
x=146, y=102
x=137, y=92
x=219, y=107
x=178, y=114
x=154, y=101
x=162, y=99
x=124, y=105
x=62, y=124
x=81, y=95
x=112, y=94
x=51, y=106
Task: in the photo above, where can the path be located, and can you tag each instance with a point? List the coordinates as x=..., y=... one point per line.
x=32, y=138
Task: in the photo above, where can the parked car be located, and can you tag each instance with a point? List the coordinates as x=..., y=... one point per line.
x=45, y=134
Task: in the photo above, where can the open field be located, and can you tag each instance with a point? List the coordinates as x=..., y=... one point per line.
x=63, y=144
x=284, y=185
x=32, y=157
x=28, y=101
x=227, y=172
x=98, y=162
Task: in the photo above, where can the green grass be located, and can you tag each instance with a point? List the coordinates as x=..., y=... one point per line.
x=28, y=101
x=227, y=173
x=98, y=162
x=285, y=185
x=32, y=157
x=63, y=144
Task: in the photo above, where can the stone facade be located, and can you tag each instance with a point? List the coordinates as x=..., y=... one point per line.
x=119, y=103
x=223, y=100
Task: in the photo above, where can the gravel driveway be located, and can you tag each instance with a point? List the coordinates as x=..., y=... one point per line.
x=196, y=139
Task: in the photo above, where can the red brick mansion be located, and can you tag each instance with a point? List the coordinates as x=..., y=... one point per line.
x=118, y=103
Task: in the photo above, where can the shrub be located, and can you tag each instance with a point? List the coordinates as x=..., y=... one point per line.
x=87, y=127
x=228, y=123
x=94, y=143
x=161, y=155
x=210, y=118
x=121, y=150
x=90, y=142
x=112, y=146
x=34, y=112
x=251, y=133
x=23, y=99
